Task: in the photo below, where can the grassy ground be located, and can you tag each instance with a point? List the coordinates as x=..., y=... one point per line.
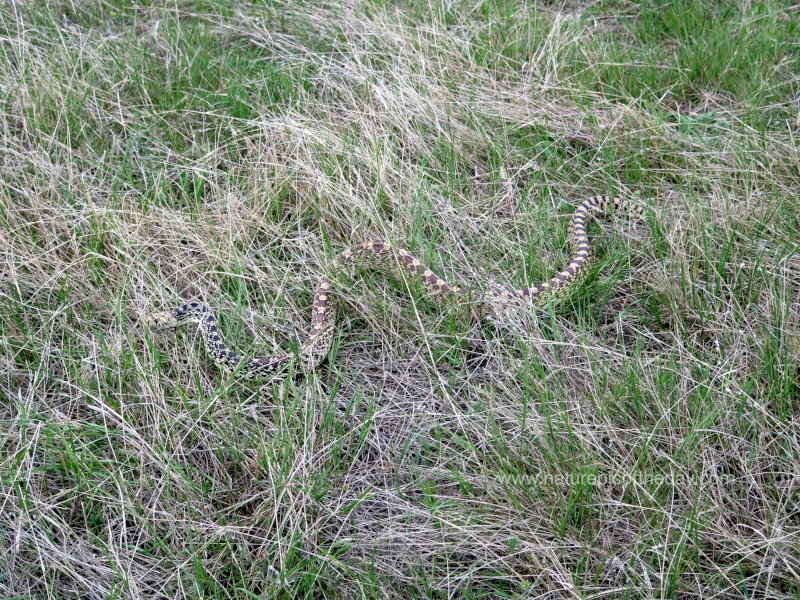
x=639, y=441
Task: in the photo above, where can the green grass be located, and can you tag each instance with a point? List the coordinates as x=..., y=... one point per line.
x=638, y=440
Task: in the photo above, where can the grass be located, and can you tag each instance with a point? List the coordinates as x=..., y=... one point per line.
x=638, y=441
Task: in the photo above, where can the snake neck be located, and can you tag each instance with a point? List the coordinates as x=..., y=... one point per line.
x=229, y=361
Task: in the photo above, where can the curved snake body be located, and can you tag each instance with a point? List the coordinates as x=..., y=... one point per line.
x=399, y=262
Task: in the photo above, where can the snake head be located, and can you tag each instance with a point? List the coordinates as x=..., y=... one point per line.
x=160, y=320
x=193, y=311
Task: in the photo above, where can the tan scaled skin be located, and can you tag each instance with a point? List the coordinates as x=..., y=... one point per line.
x=398, y=262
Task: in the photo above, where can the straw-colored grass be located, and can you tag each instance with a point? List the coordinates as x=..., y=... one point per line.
x=638, y=441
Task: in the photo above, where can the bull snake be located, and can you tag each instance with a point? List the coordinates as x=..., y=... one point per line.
x=399, y=262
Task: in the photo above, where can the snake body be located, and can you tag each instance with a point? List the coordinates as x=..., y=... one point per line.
x=399, y=262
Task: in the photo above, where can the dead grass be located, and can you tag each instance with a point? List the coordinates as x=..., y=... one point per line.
x=640, y=441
